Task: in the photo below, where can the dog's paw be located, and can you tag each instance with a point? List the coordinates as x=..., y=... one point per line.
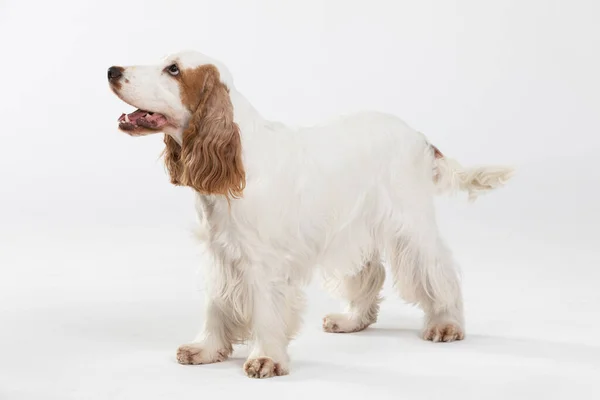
x=443, y=332
x=263, y=367
x=342, y=323
x=194, y=354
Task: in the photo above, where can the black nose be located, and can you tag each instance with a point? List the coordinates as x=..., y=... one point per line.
x=114, y=73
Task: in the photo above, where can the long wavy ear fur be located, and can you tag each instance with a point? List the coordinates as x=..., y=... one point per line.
x=172, y=157
x=210, y=157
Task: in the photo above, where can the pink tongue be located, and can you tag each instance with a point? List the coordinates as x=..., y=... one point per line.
x=144, y=118
x=157, y=119
x=154, y=121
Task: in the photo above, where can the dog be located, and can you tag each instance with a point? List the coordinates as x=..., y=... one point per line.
x=279, y=203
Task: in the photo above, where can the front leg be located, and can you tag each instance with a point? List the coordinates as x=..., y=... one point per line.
x=272, y=318
x=214, y=342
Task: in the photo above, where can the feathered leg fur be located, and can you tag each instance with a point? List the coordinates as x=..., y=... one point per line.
x=361, y=292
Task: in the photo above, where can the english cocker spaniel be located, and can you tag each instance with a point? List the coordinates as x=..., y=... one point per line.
x=278, y=203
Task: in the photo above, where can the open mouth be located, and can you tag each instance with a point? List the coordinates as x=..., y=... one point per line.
x=142, y=120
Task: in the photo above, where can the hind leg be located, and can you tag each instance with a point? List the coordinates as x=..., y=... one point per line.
x=426, y=274
x=361, y=291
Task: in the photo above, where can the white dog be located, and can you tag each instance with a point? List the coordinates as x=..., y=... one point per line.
x=278, y=203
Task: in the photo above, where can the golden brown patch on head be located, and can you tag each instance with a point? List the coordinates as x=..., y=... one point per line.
x=195, y=83
x=210, y=157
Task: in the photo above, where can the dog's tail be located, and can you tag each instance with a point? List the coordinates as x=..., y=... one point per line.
x=450, y=177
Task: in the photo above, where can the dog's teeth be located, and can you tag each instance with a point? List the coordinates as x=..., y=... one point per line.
x=126, y=118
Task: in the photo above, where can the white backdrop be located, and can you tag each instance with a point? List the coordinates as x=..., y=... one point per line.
x=98, y=281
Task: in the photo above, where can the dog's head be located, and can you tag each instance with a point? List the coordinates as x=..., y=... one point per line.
x=187, y=97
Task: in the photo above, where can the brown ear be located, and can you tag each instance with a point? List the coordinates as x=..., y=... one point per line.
x=172, y=156
x=211, y=151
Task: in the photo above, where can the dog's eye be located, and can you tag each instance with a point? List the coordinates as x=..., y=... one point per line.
x=173, y=69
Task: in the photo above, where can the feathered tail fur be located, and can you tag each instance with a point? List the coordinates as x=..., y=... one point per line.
x=451, y=177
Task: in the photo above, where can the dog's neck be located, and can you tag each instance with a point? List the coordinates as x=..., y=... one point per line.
x=244, y=114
